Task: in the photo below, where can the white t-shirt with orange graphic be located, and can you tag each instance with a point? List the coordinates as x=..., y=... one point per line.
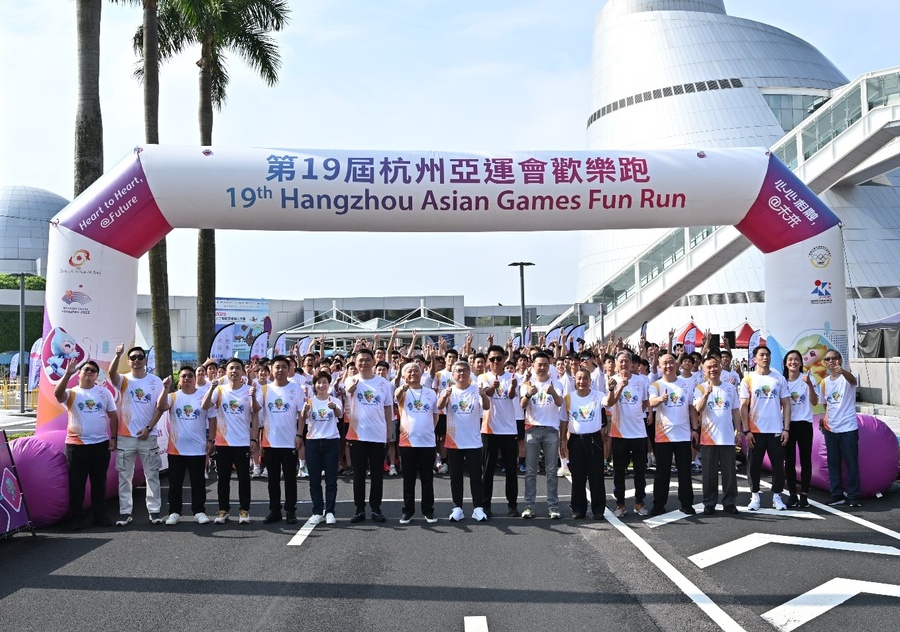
x=765, y=393
x=673, y=421
x=626, y=416
x=89, y=410
x=418, y=408
x=464, y=419
x=187, y=424
x=137, y=403
x=233, y=408
x=279, y=412
x=717, y=417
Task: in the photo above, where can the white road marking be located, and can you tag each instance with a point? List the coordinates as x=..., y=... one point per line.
x=672, y=516
x=803, y=609
x=475, y=624
x=714, y=612
x=842, y=514
x=756, y=540
x=302, y=534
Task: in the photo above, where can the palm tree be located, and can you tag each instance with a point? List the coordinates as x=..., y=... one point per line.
x=219, y=26
x=146, y=43
x=88, y=117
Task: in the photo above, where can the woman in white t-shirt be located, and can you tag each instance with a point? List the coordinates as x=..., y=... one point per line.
x=803, y=395
x=321, y=413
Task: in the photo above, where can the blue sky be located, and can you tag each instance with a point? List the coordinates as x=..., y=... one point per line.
x=401, y=74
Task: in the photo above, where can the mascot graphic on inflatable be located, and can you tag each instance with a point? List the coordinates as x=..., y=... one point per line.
x=59, y=349
x=813, y=349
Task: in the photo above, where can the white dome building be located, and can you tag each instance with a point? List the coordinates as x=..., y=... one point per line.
x=25, y=214
x=684, y=74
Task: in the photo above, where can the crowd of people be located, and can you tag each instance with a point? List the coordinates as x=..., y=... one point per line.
x=587, y=412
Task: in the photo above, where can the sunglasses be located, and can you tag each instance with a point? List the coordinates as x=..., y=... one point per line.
x=136, y=358
x=832, y=359
x=88, y=369
x=496, y=359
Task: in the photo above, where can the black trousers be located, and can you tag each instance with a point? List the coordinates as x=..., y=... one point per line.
x=623, y=451
x=89, y=461
x=507, y=447
x=664, y=452
x=417, y=463
x=461, y=461
x=239, y=457
x=367, y=454
x=801, y=436
x=281, y=463
x=771, y=444
x=195, y=467
x=586, y=467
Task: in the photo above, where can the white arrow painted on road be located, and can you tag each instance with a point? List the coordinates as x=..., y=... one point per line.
x=818, y=601
x=756, y=540
x=677, y=514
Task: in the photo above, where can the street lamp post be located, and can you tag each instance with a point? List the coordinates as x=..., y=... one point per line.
x=521, y=265
x=22, y=376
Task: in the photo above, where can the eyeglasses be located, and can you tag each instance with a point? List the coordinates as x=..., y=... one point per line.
x=496, y=359
x=831, y=358
x=136, y=358
x=88, y=369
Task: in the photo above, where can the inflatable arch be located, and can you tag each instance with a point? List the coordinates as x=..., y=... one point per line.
x=96, y=241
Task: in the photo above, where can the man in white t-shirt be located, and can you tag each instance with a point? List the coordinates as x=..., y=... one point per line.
x=627, y=404
x=371, y=416
x=541, y=398
x=498, y=430
x=841, y=429
x=187, y=447
x=672, y=398
x=280, y=403
x=418, y=417
x=718, y=404
x=142, y=401
x=90, y=436
x=465, y=402
x=766, y=413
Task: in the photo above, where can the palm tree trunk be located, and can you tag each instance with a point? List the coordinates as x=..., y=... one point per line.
x=206, y=242
x=88, y=117
x=159, y=266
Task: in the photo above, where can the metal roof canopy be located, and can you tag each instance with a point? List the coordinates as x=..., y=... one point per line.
x=340, y=324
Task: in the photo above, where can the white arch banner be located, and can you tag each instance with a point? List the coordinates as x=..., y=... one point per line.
x=96, y=241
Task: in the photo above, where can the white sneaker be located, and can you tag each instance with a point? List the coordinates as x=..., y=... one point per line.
x=393, y=470
x=563, y=471
x=257, y=470
x=315, y=519
x=457, y=514
x=221, y=517
x=330, y=519
x=264, y=473
x=443, y=469
x=173, y=518
x=201, y=518
x=243, y=517
x=304, y=473
x=754, y=502
x=778, y=503
x=478, y=515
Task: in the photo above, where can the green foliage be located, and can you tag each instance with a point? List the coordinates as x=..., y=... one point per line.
x=11, y=282
x=9, y=329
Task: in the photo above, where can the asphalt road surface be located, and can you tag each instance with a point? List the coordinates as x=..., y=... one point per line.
x=817, y=569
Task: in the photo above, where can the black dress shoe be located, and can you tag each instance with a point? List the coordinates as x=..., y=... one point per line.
x=687, y=509
x=708, y=511
x=291, y=517
x=358, y=517
x=731, y=509
x=578, y=515
x=274, y=516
